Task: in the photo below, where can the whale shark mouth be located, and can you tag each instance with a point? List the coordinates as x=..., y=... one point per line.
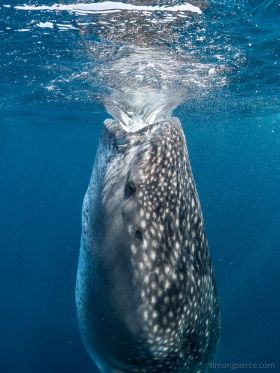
x=136, y=110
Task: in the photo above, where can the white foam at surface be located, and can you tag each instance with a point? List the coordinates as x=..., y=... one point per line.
x=45, y=25
x=111, y=6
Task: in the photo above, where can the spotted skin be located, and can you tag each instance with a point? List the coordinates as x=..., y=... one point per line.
x=145, y=293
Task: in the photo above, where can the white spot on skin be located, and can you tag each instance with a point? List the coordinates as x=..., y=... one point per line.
x=145, y=315
x=133, y=249
x=153, y=285
x=143, y=224
x=170, y=314
x=154, y=315
x=167, y=269
x=167, y=284
x=145, y=244
x=166, y=300
x=152, y=231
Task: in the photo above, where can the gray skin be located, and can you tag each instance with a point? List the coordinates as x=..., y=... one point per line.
x=145, y=293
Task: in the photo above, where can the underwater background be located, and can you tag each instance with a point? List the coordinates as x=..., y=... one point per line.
x=49, y=129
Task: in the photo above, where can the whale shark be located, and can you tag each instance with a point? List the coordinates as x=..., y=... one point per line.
x=145, y=293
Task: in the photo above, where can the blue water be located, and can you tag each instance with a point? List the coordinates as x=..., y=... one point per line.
x=48, y=139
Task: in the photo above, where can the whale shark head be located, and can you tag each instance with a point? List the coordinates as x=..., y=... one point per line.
x=142, y=180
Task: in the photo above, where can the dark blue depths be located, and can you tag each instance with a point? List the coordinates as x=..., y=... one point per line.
x=45, y=166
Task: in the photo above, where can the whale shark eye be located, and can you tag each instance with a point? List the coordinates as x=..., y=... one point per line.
x=138, y=235
x=130, y=188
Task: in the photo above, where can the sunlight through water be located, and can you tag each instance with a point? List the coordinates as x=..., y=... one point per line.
x=138, y=62
x=142, y=59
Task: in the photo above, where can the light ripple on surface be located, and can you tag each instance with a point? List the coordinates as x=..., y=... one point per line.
x=214, y=63
x=111, y=6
